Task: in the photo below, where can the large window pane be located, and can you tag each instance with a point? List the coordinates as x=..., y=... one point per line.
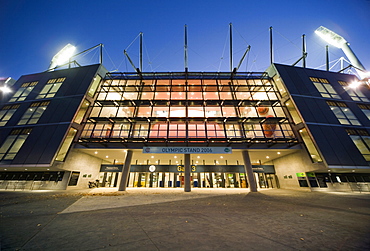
x=144, y=111
x=108, y=111
x=343, y=113
x=315, y=156
x=160, y=111
x=195, y=111
x=13, y=143
x=94, y=85
x=213, y=112
x=34, y=113
x=126, y=111
x=81, y=113
x=66, y=145
x=177, y=112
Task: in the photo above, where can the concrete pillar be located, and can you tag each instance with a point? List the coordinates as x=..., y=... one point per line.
x=249, y=171
x=125, y=171
x=187, y=187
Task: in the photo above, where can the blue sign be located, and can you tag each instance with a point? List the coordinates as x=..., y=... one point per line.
x=188, y=150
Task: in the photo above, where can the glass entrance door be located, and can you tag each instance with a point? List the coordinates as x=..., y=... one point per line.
x=108, y=179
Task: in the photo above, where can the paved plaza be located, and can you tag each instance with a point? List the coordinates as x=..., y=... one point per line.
x=170, y=219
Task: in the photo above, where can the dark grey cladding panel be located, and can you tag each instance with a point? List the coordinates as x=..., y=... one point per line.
x=324, y=145
x=297, y=80
x=61, y=110
x=315, y=110
x=41, y=145
x=77, y=80
x=301, y=81
x=54, y=141
x=321, y=111
x=4, y=133
x=31, y=149
x=303, y=105
x=336, y=146
x=283, y=72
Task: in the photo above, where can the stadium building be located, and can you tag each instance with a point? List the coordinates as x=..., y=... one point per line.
x=288, y=127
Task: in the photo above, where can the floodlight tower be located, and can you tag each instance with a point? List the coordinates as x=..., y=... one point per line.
x=62, y=56
x=338, y=41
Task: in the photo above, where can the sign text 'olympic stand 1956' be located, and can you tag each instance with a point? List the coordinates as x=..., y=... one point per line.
x=188, y=150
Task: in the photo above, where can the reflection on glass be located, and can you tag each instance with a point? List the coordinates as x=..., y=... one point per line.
x=315, y=156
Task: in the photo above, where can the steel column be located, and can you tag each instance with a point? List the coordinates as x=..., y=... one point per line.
x=125, y=171
x=249, y=171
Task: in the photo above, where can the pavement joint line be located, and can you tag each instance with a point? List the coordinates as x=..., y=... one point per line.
x=142, y=229
x=81, y=205
x=37, y=232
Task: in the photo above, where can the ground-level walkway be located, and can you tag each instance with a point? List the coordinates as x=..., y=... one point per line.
x=170, y=219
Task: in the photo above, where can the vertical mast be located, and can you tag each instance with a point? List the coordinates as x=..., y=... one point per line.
x=304, y=54
x=101, y=53
x=271, y=48
x=327, y=57
x=186, y=48
x=231, y=47
x=141, y=51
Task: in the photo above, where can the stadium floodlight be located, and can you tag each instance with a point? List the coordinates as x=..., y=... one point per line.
x=331, y=37
x=62, y=56
x=338, y=41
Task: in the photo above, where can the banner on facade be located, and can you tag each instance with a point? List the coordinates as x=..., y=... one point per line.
x=188, y=150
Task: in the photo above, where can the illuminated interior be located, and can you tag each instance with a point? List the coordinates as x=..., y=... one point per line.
x=182, y=108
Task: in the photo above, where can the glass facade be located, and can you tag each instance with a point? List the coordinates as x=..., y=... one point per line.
x=81, y=113
x=293, y=112
x=94, y=86
x=187, y=107
x=311, y=148
x=66, y=145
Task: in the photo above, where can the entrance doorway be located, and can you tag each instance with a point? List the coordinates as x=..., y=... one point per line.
x=108, y=179
x=198, y=180
x=266, y=180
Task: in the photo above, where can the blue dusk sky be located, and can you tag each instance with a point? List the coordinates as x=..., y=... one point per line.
x=32, y=32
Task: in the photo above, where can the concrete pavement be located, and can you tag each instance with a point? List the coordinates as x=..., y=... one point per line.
x=170, y=219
